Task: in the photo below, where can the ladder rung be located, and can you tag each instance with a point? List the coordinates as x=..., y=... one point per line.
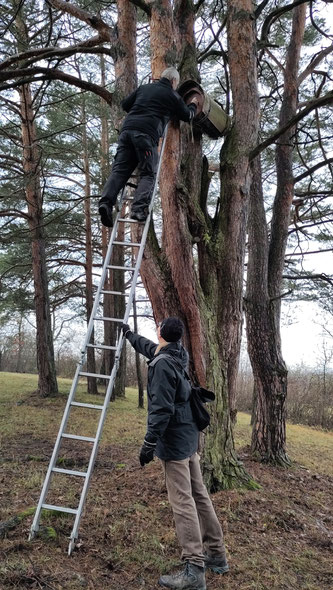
x=104, y=346
x=120, y=267
x=127, y=243
x=69, y=472
x=113, y=293
x=126, y=220
x=60, y=508
x=84, y=405
x=83, y=374
x=109, y=320
x=77, y=437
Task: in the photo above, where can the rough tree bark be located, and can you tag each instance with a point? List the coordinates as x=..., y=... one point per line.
x=265, y=269
x=206, y=295
x=47, y=381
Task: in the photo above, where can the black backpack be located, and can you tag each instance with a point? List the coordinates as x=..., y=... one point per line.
x=198, y=397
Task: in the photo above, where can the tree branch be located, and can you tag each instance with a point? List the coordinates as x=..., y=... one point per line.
x=53, y=74
x=312, y=252
x=57, y=52
x=313, y=104
x=317, y=277
x=143, y=5
x=14, y=213
x=260, y=8
x=105, y=32
x=311, y=170
x=273, y=16
x=313, y=64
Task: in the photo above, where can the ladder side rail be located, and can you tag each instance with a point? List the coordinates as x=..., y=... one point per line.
x=101, y=284
x=35, y=524
x=85, y=488
x=121, y=339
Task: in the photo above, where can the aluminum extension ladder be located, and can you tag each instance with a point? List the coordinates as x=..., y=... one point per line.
x=62, y=434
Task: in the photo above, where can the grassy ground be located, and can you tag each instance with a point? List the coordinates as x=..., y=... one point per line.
x=278, y=537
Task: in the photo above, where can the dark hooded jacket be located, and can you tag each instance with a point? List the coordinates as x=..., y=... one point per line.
x=170, y=422
x=151, y=106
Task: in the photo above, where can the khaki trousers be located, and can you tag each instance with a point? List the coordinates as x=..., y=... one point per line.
x=197, y=526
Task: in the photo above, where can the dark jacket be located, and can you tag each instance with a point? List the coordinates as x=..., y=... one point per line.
x=170, y=422
x=151, y=106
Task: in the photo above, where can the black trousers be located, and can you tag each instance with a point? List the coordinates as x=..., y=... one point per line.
x=135, y=149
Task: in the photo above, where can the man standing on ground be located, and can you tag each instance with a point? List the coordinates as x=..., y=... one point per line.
x=173, y=436
x=149, y=109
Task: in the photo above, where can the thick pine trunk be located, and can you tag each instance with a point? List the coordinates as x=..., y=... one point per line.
x=47, y=382
x=206, y=292
x=269, y=371
x=264, y=285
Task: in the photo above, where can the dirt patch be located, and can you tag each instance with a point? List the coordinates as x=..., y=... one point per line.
x=278, y=537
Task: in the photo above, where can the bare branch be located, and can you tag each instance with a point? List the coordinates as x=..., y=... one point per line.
x=311, y=105
x=13, y=213
x=313, y=64
x=307, y=253
x=260, y=8
x=274, y=15
x=314, y=277
x=312, y=170
x=105, y=32
x=143, y=5
x=57, y=52
x=53, y=74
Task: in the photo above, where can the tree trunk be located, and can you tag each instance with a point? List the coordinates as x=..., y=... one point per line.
x=91, y=362
x=206, y=294
x=47, y=382
x=265, y=268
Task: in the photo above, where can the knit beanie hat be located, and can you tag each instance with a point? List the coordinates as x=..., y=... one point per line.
x=172, y=329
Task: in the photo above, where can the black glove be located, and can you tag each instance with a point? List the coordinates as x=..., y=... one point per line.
x=125, y=328
x=147, y=452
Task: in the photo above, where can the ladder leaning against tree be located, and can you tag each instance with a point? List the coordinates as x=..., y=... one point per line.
x=133, y=272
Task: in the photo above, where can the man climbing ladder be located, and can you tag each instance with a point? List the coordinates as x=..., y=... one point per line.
x=149, y=109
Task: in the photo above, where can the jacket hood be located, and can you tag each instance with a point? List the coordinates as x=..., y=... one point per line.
x=178, y=351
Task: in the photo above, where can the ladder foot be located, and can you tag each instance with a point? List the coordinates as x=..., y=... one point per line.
x=71, y=546
x=32, y=534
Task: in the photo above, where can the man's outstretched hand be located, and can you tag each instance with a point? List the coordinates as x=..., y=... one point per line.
x=147, y=452
x=125, y=328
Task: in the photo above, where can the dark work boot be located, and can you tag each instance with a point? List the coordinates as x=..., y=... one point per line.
x=217, y=563
x=140, y=216
x=192, y=577
x=106, y=213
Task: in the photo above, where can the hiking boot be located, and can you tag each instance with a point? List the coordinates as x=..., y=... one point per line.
x=138, y=216
x=217, y=563
x=192, y=577
x=105, y=212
